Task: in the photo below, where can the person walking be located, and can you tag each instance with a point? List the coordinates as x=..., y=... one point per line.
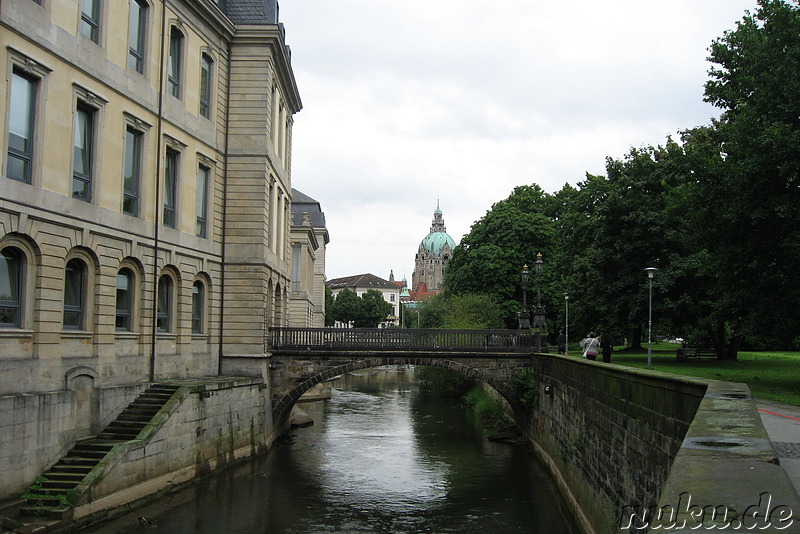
x=607, y=346
x=562, y=342
x=590, y=346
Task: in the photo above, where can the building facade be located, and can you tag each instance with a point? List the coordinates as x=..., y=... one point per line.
x=433, y=253
x=309, y=237
x=146, y=189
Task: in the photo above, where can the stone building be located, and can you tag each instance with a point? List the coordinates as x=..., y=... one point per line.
x=309, y=237
x=434, y=251
x=145, y=195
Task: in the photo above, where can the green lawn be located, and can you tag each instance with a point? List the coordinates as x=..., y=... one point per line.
x=770, y=375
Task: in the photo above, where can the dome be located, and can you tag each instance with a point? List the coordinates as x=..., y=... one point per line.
x=435, y=242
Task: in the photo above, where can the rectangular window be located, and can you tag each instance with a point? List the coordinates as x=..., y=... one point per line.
x=133, y=161
x=174, y=63
x=90, y=19
x=83, y=143
x=20, y=127
x=202, y=200
x=205, y=86
x=136, y=35
x=170, y=187
x=296, y=268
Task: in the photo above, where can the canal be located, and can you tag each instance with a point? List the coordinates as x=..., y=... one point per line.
x=381, y=457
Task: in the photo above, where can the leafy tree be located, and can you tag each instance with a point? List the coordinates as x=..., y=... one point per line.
x=490, y=258
x=374, y=309
x=329, y=301
x=347, y=308
x=748, y=192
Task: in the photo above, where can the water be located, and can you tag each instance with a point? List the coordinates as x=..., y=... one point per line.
x=381, y=457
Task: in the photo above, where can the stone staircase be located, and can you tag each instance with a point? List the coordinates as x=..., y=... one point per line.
x=50, y=495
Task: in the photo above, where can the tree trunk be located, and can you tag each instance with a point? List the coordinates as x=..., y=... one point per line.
x=636, y=338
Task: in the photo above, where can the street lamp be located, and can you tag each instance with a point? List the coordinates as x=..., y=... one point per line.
x=566, y=334
x=538, y=313
x=524, y=315
x=651, y=271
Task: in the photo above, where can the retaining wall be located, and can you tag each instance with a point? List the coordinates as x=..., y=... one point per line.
x=618, y=439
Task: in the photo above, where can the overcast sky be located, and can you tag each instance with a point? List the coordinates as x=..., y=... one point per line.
x=410, y=102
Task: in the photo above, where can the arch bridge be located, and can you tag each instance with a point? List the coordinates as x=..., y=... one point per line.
x=304, y=357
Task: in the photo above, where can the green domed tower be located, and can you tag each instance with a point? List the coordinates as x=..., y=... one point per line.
x=433, y=254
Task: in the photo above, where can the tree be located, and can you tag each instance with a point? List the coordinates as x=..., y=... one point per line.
x=329, y=300
x=374, y=309
x=346, y=307
x=750, y=181
x=490, y=258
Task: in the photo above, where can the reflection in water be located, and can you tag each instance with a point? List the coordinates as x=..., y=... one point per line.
x=381, y=457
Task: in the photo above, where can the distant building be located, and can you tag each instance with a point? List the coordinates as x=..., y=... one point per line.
x=309, y=237
x=433, y=253
x=360, y=283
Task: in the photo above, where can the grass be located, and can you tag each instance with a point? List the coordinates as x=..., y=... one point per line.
x=770, y=375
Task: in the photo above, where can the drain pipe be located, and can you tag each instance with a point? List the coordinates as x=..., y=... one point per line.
x=157, y=220
x=224, y=213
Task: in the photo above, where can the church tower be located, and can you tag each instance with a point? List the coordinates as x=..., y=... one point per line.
x=432, y=256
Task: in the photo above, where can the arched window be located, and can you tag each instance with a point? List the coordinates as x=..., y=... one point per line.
x=198, y=307
x=165, y=304
x=11, y=269
x=125, y=281
x=74, y=294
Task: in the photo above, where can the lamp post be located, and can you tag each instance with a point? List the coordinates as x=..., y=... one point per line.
x=538, y=313
x=566, y=333
x=524, y=315
x=651, y=271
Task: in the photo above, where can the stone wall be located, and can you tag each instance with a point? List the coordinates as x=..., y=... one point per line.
x=625, y=445
x=609, y=433
x=37, y=429
x=206, y=425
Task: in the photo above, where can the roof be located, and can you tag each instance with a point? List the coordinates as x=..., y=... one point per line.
x=435, y=242
x=251, y=11
x=304, y=204
x=361, y=281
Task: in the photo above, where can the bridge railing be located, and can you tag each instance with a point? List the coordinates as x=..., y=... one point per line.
x=401, y=339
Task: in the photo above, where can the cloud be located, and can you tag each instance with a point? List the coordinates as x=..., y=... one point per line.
x=407, y=103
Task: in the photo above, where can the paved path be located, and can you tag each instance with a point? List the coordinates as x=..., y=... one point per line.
x=782, y=422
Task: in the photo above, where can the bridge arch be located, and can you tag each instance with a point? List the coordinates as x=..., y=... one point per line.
x=282, y=405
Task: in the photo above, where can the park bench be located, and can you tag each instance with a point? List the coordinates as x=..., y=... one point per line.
x=684, y=353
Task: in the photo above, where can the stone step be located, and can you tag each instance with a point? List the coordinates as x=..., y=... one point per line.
x=64, y=476
x=52, y=485
x=85, y=455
